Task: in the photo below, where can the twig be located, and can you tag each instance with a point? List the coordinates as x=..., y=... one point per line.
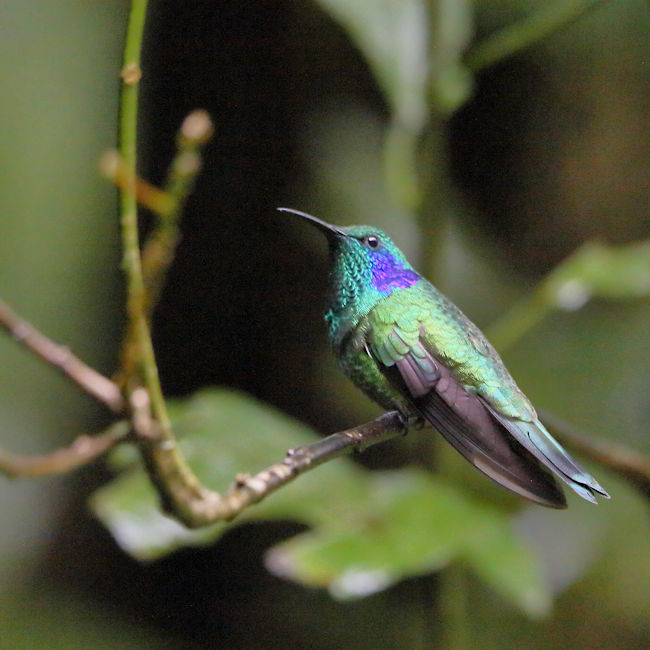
x=252, y=489
x=168, y=469
x=526, y=32
x=160, y=246
x=81, y=452
x=631, y=465
x=88, y=379
x=195, y=506
x=138, y=360
x=166, y=204
x=147, y=195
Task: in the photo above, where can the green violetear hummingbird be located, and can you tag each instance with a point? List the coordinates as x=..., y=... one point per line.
x=409, y=348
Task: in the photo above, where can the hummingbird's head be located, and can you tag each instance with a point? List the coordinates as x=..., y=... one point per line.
x=366, y=264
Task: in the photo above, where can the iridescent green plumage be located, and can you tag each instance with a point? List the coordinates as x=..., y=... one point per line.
x=410, y=348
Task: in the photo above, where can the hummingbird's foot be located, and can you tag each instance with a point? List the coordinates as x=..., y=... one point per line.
x=417, y=422
x=408, y=421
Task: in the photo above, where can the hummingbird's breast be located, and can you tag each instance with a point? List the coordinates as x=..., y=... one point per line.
x=355, y=359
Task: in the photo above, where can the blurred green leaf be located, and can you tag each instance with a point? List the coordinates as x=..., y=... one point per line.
x=414, y=49
x=410, y=524
x=601, y=270
x=393, y=37
x=594, y=270
x=368, y=529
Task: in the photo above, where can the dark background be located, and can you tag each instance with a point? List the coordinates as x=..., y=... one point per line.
x=548, y=153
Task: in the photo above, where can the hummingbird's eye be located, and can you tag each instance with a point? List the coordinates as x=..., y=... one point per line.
x=372, y=241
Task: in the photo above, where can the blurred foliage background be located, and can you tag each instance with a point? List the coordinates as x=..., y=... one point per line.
x=357, y=112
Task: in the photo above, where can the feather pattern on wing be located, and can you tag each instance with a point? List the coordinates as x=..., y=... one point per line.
x=513, y=452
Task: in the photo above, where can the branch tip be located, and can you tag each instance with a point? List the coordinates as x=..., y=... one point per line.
x=197, y=127
x=83, y=450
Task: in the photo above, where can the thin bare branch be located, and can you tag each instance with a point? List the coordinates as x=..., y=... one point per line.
x=82, y=451
x=252, y=489
x=195, y=506
x=166, y=204
x=113, y=167
x=91, y=381
x=160, y=246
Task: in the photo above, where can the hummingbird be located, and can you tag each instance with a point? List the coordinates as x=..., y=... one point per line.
x=411, y=349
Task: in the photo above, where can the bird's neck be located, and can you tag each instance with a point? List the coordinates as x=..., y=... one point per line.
x=355, y=293
x=351, y=299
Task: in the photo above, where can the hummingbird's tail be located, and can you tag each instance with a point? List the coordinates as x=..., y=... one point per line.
x=541, y=444
x=518, y=453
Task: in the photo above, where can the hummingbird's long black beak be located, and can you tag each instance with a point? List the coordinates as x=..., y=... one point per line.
x=330, y=231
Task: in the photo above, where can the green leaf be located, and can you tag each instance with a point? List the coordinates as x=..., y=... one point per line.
x=411, y=525
x=601, y=270
x=368, y=530
x=392, y=36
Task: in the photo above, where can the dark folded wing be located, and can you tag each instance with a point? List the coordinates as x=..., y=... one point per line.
x=465, y=422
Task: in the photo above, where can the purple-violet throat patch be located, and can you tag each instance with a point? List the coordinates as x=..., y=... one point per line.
x=389, y=273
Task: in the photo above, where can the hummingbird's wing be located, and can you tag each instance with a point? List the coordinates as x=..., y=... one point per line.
x=514, y=453
x=464, y=421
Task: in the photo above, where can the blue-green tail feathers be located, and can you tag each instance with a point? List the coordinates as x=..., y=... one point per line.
x=539, y=442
